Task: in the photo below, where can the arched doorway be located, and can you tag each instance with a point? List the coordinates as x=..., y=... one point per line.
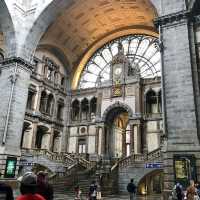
x=151, y=183
x=117, y=133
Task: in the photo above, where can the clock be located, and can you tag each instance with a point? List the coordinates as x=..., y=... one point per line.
x=118, y=71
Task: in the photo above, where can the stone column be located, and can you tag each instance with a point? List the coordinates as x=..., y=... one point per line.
x=178, y=90
x=101, y=127
x=14, y=82
x=51, y=133
x=39, y=98
x=34, y=134
x=135, y=136
x=124, y=143
x=131, y=139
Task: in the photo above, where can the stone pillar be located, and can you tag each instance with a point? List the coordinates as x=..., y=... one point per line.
x=136, y=136
x=178, y=90
x=34, y=134
x=124, y=143
x=101, y=128
x=14, y=82
x=39, y=98
x=51, y=135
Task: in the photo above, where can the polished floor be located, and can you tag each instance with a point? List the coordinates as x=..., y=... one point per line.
x=113, y=197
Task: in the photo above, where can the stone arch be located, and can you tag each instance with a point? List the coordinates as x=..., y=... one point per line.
x=117, y=105
x=150, y=100
x=147, y=178
x=75, y=106
x=47, y=17
x=8, y=30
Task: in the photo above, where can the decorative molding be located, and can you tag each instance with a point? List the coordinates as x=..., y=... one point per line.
x=20, y=61
x=172, y=18
x=116, y=106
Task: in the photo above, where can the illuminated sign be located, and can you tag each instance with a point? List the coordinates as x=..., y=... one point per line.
x=10, y=167
x=184, y=169
x=153, y=165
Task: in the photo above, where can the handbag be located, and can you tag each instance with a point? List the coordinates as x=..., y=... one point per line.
x=98, y=195
x=196, y=197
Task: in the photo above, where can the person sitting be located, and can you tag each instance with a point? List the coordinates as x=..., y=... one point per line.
x=28, y=188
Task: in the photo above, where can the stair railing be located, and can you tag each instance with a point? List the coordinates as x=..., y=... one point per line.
x=138, y=158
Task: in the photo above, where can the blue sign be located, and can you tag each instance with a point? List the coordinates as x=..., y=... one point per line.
x=26, y=163
x=153, y=165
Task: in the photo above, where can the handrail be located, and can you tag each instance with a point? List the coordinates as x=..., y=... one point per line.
x=61, y=157
x=138, y=158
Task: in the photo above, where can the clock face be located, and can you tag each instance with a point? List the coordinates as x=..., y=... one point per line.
x=118, y=71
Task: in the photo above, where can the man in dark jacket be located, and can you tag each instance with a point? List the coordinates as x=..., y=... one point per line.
x=131, y=187
x=43, y=187
x=6, y=192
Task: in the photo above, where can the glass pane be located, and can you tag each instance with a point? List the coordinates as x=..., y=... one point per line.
x=141, y=51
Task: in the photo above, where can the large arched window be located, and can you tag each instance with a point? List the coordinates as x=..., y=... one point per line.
x=75, y=110
x=142, y=52
x=50, y=104
x=93, y=108
x=43, y=102
x=84, y=109
x=151, y=102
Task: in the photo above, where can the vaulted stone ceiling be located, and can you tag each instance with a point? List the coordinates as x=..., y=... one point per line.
x=85, y=22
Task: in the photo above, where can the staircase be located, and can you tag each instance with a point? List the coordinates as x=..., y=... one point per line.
x=79, y=176
x=73, y=170
x=134, y=166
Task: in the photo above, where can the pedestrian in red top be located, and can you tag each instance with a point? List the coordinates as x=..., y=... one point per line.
x=28, y=188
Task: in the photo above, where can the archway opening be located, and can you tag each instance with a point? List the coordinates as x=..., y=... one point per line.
x=151, y=183
x=117, y=133
x=42, y=138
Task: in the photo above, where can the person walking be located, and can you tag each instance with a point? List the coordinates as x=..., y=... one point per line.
x=43, y=187
x=93, y=191
x=77, y=193
x=6, y=191
x=191, y=191
x=179, y=191
x=28, y=187
x=131, y=188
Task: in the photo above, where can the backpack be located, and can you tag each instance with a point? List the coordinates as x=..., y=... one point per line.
x=174, y=194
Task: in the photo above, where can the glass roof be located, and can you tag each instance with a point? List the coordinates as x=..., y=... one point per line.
x=142, y=52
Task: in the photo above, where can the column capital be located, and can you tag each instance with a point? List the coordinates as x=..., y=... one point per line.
x=7, y=62
x=134, y=121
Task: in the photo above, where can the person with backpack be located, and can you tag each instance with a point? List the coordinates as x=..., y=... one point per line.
x=179, y=191
x=131, y=188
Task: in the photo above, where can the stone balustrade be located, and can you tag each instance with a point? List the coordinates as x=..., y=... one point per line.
x=140, y=158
